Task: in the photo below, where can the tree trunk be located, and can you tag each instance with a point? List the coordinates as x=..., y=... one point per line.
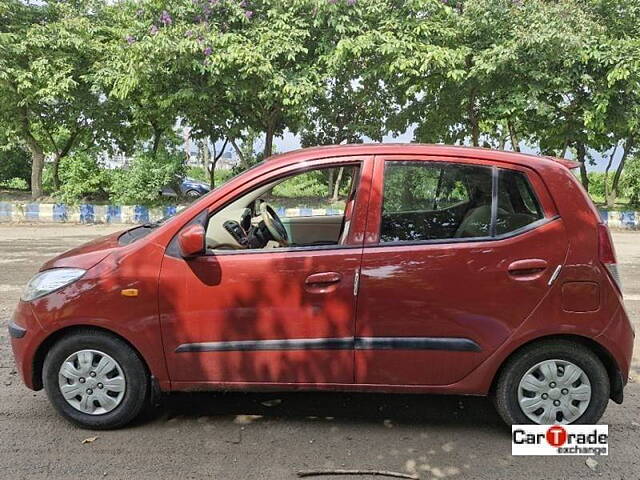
x=515, y=145
x=473, y=121
x=581, y=152
x=607, y=194
x=157, y=133
x=214, y=162
x=472, y=111
x=336, y=188
x=37, y=166
x=243, y=161
x=212, y=173
x=268, y=142
x=565, y=147
x=204, y=147
x=629, y=144
x=60, y=154
x=330, y=182
x=37, y=156
x=55, y=173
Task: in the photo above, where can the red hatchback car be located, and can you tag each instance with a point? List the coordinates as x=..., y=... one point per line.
x=444, y=270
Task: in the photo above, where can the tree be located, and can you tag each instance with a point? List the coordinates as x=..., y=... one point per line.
x=47, y=99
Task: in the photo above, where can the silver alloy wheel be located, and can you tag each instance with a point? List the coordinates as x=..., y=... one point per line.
x=554, y=391
x=92, y=382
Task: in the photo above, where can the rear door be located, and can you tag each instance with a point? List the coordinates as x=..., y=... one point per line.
x=450, y=268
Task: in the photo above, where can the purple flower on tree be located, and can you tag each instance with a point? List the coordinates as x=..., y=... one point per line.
x=351, y=2
x=130, y=39
x=248, y=14
x=165, y=18
x=153, y=30
x=207, y=51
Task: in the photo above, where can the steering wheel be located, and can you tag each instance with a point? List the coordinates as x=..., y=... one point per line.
x=274, y=224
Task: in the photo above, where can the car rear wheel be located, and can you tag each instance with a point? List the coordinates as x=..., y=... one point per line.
x=192, y=194
x=95, y=380
x=555, y=382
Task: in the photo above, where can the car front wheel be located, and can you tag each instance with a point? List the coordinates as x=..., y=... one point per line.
x=554, y=382
x=95, y=380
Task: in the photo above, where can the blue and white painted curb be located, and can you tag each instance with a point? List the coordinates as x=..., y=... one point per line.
x=629, y=220
x=84, y=213
x=19, y=212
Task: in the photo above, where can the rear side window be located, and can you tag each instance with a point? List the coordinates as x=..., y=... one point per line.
x=429, y=200
x=438, y=201
x=517, y=204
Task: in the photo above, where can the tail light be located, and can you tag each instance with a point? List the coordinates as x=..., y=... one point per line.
x=607, y=254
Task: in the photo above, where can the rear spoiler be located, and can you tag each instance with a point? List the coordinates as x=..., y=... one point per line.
x=570, y=164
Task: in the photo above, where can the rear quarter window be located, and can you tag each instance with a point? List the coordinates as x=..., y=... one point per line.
x=518, y=205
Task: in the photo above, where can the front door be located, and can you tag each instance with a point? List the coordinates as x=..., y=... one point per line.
x=458, y=254
x=269, y=314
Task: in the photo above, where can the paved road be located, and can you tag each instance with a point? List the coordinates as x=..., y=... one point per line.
x=236, y=436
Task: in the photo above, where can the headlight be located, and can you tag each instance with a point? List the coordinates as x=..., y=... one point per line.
x=50, y=281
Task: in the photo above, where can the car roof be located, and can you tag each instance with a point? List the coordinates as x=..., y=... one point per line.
x=515, y=158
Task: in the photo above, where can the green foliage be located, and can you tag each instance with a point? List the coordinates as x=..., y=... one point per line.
x=15, y=183
x=562, y=77
x=631, y=181
x=141, y=182
x=198, y=173
x=304, y=185
x=596, y=185
x=201, y=175
x=82, y=179
x=14, y=163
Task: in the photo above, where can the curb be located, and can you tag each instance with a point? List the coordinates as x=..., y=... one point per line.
x=20, y=212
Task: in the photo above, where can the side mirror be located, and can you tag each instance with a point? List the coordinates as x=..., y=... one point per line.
x=192, y=240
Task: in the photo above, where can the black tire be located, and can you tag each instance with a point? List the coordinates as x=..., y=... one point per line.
x=192, y=194
x=136, y=394
x=506, y=391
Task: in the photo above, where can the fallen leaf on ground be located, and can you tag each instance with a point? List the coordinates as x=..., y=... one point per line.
x=591, y=463
x=89, y=440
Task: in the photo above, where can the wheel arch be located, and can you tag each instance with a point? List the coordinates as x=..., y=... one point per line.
x=50, y=341
x=616, y=381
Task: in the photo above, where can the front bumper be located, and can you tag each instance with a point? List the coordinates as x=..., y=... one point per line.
x=26, y=336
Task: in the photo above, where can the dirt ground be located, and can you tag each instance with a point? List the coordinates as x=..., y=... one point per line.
x=271, y=436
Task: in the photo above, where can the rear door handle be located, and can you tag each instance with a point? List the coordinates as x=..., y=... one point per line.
x=527, y=269
x=323, y=278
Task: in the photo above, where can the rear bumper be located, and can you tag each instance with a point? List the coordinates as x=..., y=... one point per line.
x=618, y=338
x=26, y=335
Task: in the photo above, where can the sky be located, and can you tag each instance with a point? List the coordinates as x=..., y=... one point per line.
x=290, y=142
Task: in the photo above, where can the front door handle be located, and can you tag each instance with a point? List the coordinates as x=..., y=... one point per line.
x=527, y=269
x=323, y=278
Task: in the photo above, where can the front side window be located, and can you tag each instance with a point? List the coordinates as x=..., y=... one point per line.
x=425, y=201
x=308, y=209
